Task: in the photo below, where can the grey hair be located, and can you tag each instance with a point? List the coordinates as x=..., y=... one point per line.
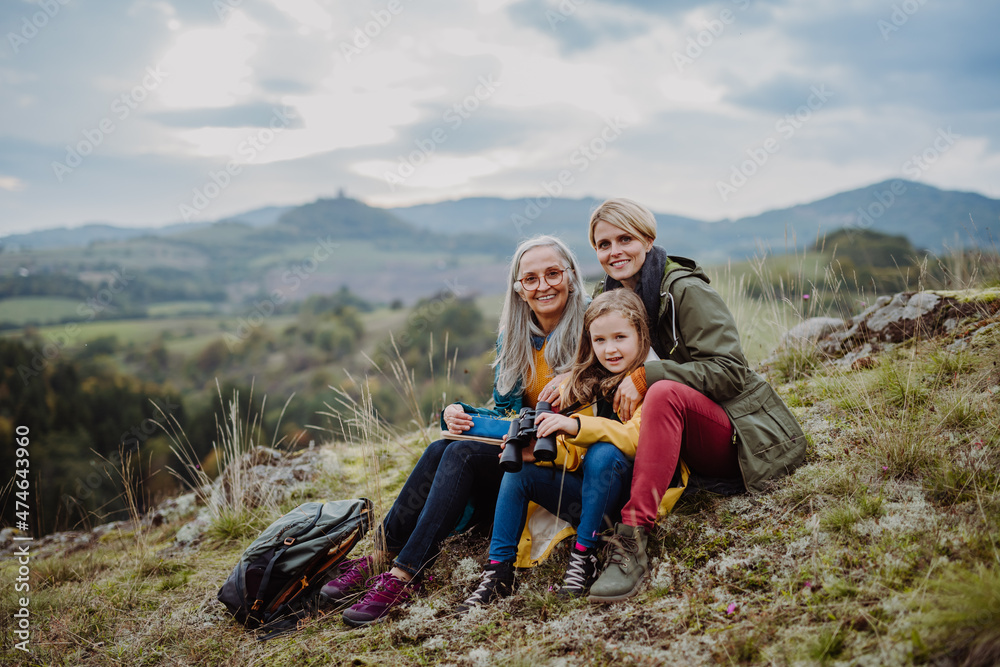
x=515, y=360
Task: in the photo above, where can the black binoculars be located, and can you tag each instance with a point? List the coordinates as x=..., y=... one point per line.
x=522, y=432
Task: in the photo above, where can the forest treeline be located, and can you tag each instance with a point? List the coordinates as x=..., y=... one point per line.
x=93, y=411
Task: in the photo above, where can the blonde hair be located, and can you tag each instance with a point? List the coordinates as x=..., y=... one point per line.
x=589, y=380
x=628, y=216
x=515, y=359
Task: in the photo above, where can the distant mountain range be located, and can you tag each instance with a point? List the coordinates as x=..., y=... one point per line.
x=929, y=217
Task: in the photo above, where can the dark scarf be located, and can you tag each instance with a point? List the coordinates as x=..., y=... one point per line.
x=648, y=289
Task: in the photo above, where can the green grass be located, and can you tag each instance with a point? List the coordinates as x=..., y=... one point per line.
x=959, y=616
x=38, y=309
x=171, y=309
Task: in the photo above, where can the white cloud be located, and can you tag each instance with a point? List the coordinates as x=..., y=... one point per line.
x=209, y=67
x=12, y=184
x=307, y=12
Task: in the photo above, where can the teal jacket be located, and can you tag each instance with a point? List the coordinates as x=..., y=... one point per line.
x=504, y=404
x=702, y=350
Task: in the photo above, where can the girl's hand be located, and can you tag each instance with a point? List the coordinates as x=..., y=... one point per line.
x=456, y=419
x=550, y=394
x=548, y=423
x=627, y=399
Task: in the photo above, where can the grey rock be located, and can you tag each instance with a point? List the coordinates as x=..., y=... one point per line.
x=902, y=307
x=809, y=331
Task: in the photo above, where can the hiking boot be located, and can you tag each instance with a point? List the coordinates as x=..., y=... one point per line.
x=386, y=592
x=625, y=565
x=580, y=574
x=351, y=581
x=497, y=582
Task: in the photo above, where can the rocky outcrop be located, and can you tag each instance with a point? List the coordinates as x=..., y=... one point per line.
x=262, y=475
x=894, y=319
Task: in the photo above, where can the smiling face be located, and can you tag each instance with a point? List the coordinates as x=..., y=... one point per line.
x=620, y=253
x=615, y=342
x=547, y=302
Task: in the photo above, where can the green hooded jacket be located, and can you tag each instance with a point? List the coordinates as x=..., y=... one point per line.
x=703, y=351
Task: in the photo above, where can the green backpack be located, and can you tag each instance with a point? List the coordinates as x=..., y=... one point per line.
x=279, y=574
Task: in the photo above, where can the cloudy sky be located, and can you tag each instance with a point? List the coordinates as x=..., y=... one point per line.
x=145, y=112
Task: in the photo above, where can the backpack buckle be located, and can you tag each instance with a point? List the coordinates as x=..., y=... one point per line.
x=289, y=541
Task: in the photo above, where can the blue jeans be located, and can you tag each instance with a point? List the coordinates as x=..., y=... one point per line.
x=592, y=498
x=448, y=475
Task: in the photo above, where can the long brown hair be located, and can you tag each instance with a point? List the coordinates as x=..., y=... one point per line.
x=589, y=380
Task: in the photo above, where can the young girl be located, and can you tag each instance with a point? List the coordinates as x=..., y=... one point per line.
x=595, y=451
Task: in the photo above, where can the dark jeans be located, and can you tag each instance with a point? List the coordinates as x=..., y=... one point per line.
x=589, y=499
x=448, y=475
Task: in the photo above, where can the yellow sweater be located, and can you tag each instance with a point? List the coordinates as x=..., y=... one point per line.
x=542, y=376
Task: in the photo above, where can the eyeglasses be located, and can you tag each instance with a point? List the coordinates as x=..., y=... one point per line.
x=552, y=277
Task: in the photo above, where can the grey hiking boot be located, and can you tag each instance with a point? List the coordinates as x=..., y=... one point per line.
x=626, y=565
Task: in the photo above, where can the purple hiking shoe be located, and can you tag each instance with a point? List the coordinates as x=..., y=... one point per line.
x=354, y=574
x=386, y=592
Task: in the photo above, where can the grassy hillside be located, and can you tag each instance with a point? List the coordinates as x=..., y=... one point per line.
x=311, y=249
x=881, y=550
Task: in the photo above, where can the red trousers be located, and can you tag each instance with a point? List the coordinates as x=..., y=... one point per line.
x=677, y=421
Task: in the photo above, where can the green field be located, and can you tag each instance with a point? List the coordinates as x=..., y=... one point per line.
x=37, y=309
x=181, y=308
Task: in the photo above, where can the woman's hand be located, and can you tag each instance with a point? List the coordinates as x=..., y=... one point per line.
x=550, y=394
x=527, y=454
x=627, y=399
x=456, y=419
x=548, y=423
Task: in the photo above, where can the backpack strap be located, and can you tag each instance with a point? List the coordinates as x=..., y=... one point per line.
x=288, y=542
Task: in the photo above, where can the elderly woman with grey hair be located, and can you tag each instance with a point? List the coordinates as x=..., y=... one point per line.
x=539, y=329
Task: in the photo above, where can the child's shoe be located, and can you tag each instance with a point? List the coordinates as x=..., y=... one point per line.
x=386, y=592
x=581, y=572
x=351, y=581
x=497, y=582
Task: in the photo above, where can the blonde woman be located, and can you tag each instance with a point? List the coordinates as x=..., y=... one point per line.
x=700, y=400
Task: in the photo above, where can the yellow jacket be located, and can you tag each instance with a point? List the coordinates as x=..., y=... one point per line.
x=570, y=450
x=543, y=531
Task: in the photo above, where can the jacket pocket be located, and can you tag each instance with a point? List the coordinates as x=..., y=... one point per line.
x=771, y=442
